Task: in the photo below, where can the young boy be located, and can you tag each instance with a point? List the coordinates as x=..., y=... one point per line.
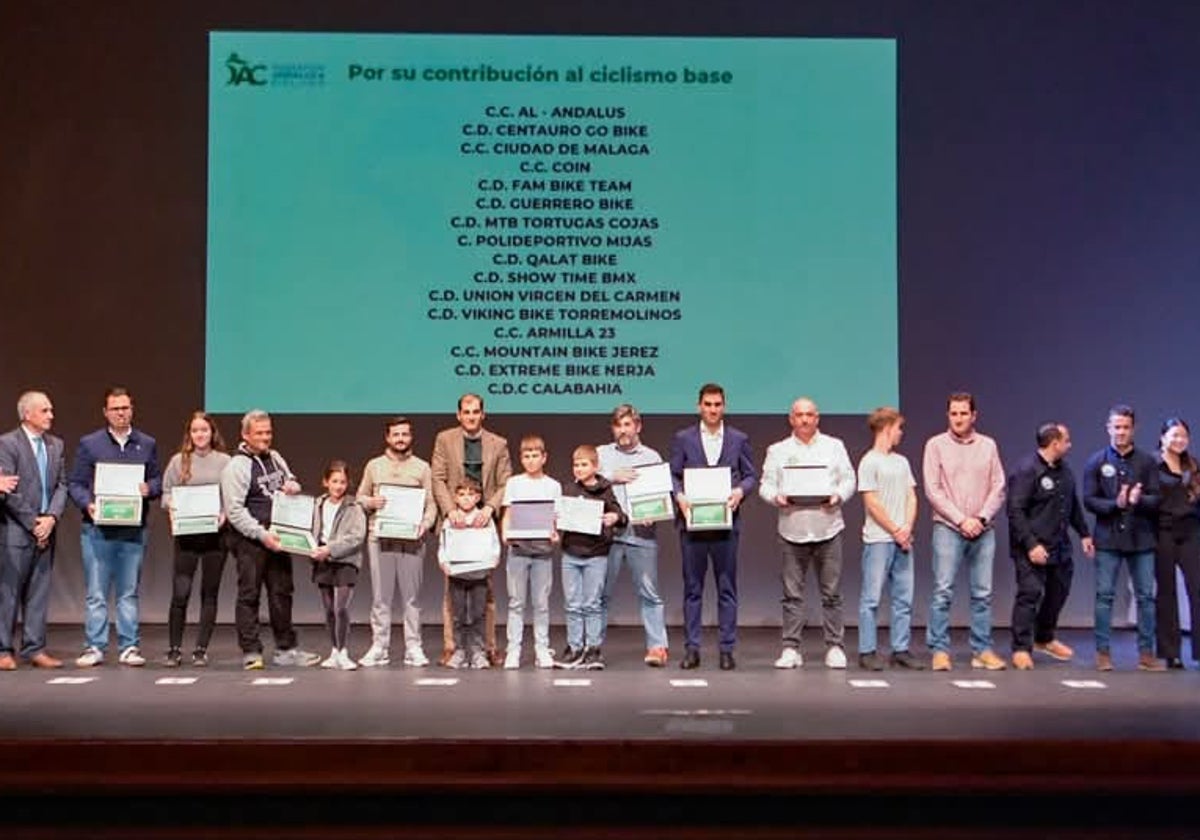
x=585, y=564
x=889, y=495
x=467, y=556
x=529, y=560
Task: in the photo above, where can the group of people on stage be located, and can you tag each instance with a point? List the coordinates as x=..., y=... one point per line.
x=1146, y=509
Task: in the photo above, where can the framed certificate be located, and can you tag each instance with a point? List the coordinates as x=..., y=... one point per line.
x=117, y=491
x=707, y=490
x=402, y=511
x=580, y=515
x=806, y=484
x=292, y=522
x=195, y=509
x=472, y=543
x=530, y=520
x=648, y=497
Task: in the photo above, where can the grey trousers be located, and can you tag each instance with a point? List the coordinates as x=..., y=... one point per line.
x=395, y=564
x=826, y=557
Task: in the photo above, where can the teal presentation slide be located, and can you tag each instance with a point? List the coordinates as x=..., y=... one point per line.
x=558, y=223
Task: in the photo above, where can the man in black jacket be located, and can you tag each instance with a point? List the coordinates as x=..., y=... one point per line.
x=1042, y=505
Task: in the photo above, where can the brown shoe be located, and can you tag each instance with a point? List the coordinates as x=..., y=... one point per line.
x=656, y=657
x=1104, y=661
x=7, y=663
x=41, y=659
x=1055, y=650
x=988, y=661
x=1149, y=662
x=1022, y=661
x=941, y=661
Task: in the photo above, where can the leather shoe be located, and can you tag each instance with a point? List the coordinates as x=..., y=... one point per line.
x=727, y=663
x=41, y=659
x=691, y=660
x=7, y=663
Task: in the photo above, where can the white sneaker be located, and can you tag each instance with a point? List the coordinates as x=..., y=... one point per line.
x=512, y=659
x=345, y=663
x=790, y=658
x=458, y=659
x=295, y=658
x=375, y=657
x=545, y=659
x=415, y=658
x=333, y=660
x=479, y=660
x=132, y=657
x=835, y=657
x=90, y=658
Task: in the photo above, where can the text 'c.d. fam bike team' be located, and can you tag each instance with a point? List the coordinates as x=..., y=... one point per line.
x=1145, y=507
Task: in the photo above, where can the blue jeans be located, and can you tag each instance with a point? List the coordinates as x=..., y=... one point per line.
x=643, y=566
x=583, y=586
x=950, y=548
x=1141, y=572
x=112, y=559
x=532, y=577
x=884, y=562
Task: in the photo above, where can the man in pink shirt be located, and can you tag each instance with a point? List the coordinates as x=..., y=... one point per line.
x=964, y=482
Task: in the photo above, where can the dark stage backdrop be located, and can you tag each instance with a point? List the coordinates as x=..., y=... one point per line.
x=1048, y=250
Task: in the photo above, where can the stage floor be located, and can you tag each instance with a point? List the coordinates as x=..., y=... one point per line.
x=628, y=701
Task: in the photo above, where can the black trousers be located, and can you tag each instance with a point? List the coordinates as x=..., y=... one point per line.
x=1042, y=591
x=1180, y=550
x=206, y=551
x=468, y=602
x=256, y=567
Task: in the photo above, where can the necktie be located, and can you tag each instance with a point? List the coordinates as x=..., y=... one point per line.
x=39, y=451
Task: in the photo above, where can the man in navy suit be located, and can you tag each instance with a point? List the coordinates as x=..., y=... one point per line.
x=29, y=512
x=711, y=443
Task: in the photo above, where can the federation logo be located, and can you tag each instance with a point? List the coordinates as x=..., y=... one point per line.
x=242, y=72
x=1108, y=470
x=1047, y=483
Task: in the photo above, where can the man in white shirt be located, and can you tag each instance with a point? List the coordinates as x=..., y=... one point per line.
x=810, y=531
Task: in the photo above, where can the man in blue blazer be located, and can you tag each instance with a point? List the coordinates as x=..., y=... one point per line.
x=711, y=443
x=29, y=512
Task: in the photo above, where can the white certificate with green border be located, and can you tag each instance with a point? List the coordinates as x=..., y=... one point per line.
x=707, y=490
x=195, y=509
x=292, y=522
x=117, y=491
x=402, y=511
x=647, y=498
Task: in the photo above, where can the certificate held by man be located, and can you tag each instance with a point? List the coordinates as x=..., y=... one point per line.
x=807, y=485
x=195, y=509
x=117, y=489
x=707, y=490
x=647, y=498
x=400, y=516
x=292, y=522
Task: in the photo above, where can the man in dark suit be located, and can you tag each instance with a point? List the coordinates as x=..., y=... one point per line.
x=711, y=443
x=28, y=514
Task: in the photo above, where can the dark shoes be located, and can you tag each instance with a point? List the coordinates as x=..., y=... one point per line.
x=870, y=661
x=727, y=663
x=904, y=659
x=570, y=659
x=691, y=660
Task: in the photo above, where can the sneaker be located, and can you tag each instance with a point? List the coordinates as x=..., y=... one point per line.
x=593, y=659
x=1055, y=650
x=1149, y=662
x=512, y=659
x=941, y=661
x=252, y=662
x=375, y=657
x=1022, y=661
x=415, y=658
x=333, y=661
x=90, y=658
x=1103, y=661
x=904, y=659
x=458, y=659
x=870, y=661
x=132, y=657
x=790, y=658
x=200, y=658
x=835, y=657
x=480, y=661
x=988, y=661
x=345, y=661
x=544, y=659
x=656, y=657
x=173, y=659
x=571, y=658
x=295, y=657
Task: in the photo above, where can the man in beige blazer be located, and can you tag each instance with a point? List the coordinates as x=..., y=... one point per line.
x=470, y=451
